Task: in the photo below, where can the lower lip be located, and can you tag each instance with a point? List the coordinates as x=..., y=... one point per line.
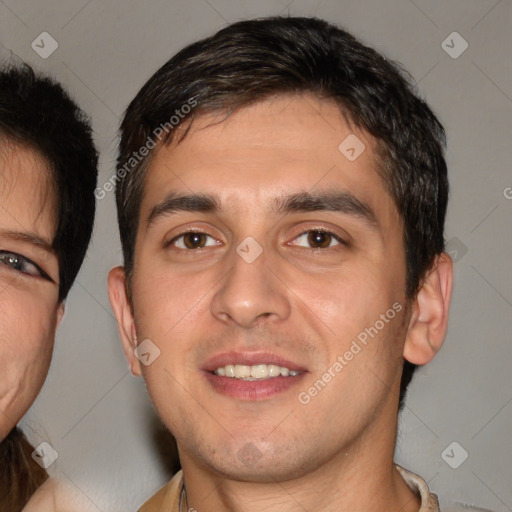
x=252, y=390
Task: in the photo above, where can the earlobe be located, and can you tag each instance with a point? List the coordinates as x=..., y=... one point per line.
x=429, y=317
x=118, y=296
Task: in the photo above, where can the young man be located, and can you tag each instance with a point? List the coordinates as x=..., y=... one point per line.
x=281, y=200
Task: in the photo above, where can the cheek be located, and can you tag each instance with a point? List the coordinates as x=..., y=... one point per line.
x=346, y=301
x=354, y=316
x=167, y=303
x=27, y=330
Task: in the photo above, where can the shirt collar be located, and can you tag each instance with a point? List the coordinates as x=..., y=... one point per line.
x=167, y=499
x=429, y=502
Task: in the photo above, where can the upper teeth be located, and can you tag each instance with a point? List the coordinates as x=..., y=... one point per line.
x=257, y=371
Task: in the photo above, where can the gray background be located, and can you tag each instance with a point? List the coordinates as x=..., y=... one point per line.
x=98, y=417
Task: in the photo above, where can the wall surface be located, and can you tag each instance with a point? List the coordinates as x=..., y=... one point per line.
x=99, y=418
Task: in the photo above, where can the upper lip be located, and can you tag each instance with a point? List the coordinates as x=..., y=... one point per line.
x=249, y=359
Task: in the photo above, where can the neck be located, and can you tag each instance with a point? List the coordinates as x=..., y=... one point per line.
x=360, y=478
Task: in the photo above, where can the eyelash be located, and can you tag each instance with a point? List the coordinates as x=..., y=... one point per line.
x=176, y=238
x=336, y=237
x=23, y=261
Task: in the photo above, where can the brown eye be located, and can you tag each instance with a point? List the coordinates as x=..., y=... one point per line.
x=193, y=240
x=319, y=239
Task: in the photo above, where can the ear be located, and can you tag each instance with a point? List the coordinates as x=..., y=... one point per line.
x=60, y=312
x=118, y=295
x=429, y=317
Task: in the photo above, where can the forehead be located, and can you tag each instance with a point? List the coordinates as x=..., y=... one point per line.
x=27, y=192
x=280, y=145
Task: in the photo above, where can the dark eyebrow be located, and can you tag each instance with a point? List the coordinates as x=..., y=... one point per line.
x=342, y=202
x=30, y=238
x=183, y=203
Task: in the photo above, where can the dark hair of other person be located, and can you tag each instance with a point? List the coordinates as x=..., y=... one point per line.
x=253, y=60
x=37, y=114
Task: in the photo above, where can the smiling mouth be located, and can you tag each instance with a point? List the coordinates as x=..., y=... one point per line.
x=255, y=372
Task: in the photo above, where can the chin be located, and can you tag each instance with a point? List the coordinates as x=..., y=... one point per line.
x=270, y=471
x=250, y=461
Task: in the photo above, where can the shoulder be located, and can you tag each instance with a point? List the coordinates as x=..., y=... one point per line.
x=56, y=496
x=43, y=499
x=167, y=498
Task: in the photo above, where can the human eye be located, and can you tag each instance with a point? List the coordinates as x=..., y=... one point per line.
x=318, y=239
x=20, y=264
x=193, y=240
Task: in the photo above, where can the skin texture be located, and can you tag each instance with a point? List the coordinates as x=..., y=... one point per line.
x=300, y=302
x=29, y=306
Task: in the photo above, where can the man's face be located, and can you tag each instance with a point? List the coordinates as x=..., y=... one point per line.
x=29, y=275
x=285, y=253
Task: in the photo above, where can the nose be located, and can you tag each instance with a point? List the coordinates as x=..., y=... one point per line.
x=250, y=294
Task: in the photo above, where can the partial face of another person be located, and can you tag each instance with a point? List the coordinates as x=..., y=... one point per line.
x=262, y=248
x=29, y=280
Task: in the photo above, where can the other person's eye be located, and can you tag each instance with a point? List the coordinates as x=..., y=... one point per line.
x=21, y=264
x=318, y=239
x=193, y=240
